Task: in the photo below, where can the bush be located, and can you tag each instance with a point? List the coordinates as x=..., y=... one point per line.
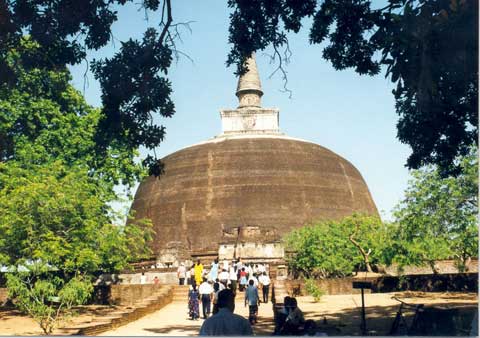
x=313, y=289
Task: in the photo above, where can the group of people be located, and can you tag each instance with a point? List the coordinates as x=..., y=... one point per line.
x=206, y=284
x=290, y=320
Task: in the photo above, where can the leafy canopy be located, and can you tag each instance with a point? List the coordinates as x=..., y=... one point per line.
x=438, y=217
x=324, y=249
x=56, y=188
x=428, y=48
x=134, y=81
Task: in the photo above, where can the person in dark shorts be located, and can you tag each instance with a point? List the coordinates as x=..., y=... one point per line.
x=252, y=299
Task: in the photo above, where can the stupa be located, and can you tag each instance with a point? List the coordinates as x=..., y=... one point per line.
x=238, y=193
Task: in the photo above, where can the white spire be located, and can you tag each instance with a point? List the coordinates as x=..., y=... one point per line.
x=249, y=89
x=250, y=118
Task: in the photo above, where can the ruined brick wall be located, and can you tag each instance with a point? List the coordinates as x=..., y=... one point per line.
x=331, y=286
x=442, y=267
x=128, y=294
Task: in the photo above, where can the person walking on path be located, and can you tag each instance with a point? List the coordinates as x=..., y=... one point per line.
x=206, y=291
x=198, y=272
x=264, y=279
x=224, y=276
x=181, y=274
x=214, y=270
x=225, y=322
x=233, y=280
x=252, y=299
x=193, y=306
x=243, y=279
x=254, y=279
x=216, y=291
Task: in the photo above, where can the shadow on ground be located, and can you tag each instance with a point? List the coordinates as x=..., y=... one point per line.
x=437, y=320
x=172, y=328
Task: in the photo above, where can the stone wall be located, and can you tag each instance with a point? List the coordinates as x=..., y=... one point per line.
x=165, y=277
x=3, y=295
x=128, y=295
x=427, y=283
x=333, y=286
x=267, y=252
x=467, y=282
x=442, y=267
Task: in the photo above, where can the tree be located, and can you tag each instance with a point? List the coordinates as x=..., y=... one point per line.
x=44, y=119
x=55, y=216
x=428, y=48
x=54, y=185
x=337, y=248
x=134, y=81
x=36, y=292
x=438, y=217
x=58, y=215
x=55, y=194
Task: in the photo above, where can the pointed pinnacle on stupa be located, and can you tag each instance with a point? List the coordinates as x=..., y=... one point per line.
x=249, y=89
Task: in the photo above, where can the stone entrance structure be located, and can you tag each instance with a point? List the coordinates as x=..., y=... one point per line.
x=237, y=194
x=252, y=244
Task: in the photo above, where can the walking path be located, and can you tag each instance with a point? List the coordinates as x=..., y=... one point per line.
x=173, y=320
x=335, y=315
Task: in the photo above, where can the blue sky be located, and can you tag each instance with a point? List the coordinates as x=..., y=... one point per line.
x=350, y=114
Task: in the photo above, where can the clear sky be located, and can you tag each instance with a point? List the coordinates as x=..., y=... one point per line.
x=350, y=114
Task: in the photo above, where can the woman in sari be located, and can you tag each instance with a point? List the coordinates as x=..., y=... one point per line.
x=193, y=303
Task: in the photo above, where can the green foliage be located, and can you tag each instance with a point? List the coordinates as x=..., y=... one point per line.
x=313, y=289
x=324, y=249
x=56, y=188
x=44, y=119
x=58, y=214
x=134, y=84
x=438, y=217
x=428, y=48
x=47, y=298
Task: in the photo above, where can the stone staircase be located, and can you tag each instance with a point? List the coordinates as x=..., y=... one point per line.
x=180, y=293
x=120, y=315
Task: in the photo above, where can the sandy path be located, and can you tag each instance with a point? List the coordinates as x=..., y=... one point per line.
x=341, y=312
x=172, y=320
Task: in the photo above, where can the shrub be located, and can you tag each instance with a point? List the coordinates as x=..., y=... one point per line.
x=313, y=289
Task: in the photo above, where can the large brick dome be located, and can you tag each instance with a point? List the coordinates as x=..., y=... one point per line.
x=250, y=182
x=275, y=182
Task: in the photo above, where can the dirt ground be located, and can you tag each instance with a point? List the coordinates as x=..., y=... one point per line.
x=341, y=315
x=14, y=323
x=335, y=315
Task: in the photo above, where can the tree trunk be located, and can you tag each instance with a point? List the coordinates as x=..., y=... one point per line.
x=362, y=251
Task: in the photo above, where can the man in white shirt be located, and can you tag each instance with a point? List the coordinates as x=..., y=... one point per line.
x=225, y=322
x=264, y=279
x=255, y=280
x=206, y=290
x=224, y=276
x=249, y=270
x=181, y=274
